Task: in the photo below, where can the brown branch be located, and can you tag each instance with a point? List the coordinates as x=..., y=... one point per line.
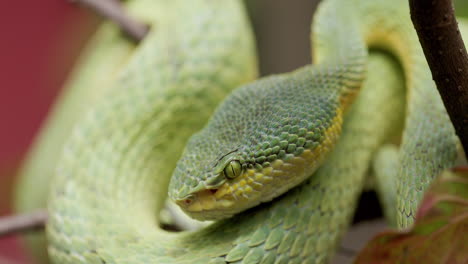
x=113, y=10
x=437, y=28
x=22, y=222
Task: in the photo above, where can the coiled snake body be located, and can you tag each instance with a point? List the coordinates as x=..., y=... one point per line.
x=265, y=138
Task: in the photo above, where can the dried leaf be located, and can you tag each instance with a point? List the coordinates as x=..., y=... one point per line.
x=440, y=233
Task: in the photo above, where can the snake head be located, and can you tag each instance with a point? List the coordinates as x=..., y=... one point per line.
x=264, y=139
x=198, y=184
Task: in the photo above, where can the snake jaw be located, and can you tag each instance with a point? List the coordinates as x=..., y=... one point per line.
x=200, y=204
x=225, y=200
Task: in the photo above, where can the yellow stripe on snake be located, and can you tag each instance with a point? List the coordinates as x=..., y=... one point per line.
x=266, y=139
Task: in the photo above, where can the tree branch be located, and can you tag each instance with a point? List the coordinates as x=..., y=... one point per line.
x=445, y=52
x=22, y=222
x=113, y=10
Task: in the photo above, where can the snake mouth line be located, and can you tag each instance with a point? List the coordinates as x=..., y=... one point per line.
x=191, y=198
x=203, y=200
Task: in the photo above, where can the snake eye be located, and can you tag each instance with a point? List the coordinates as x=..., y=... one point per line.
x=233, y=169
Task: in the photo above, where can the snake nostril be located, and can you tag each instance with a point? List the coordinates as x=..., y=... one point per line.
x=187, y=200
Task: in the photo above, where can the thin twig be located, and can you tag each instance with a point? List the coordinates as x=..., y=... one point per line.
x=445, y=52
x=113, y=10
x=23, y=222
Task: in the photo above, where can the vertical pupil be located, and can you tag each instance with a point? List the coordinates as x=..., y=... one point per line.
x=232, y=170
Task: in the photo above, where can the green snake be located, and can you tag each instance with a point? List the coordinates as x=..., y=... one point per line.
x=131, y=111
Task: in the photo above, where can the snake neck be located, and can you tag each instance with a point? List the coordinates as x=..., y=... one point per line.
x=344, y=31
x=341, y=38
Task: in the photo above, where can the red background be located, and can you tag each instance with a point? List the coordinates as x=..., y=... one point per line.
x=39, y=41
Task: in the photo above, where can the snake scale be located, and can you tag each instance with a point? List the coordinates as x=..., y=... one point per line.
x=130, y=112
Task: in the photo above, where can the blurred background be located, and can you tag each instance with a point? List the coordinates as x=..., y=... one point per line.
x=41, y=39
